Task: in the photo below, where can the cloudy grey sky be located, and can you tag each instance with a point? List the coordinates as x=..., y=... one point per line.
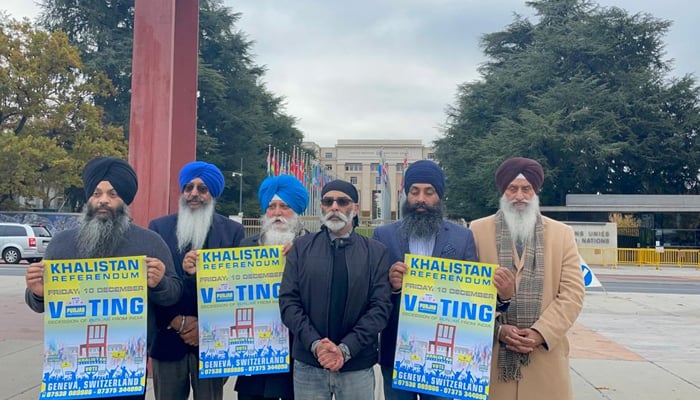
x=387, y=69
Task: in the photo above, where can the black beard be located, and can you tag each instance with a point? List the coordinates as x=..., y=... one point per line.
x=421, y=224
x=98, y=237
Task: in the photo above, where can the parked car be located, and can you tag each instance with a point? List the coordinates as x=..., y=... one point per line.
x=23, y=242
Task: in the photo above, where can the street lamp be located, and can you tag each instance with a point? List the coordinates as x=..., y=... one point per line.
x=240, y=190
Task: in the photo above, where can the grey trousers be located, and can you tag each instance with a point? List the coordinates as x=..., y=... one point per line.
x=172, y=380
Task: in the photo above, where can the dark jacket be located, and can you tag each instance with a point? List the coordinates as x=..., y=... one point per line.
x=452, y=241
x=223, y=233
x=305, y=296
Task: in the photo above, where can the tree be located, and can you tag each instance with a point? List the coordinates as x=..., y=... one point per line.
x=103, y=31
x=584, y=91
x=49, y=127
x=237, y=117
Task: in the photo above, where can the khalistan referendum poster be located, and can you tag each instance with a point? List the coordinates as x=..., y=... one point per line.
x=94, y=328
x=240, y=328
x=445, y=332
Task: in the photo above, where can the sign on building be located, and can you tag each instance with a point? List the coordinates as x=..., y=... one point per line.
x=596, y=241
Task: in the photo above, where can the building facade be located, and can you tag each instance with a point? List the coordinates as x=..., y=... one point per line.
x=358, y=161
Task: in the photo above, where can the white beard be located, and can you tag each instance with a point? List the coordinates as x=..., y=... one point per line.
x=337, y=226
x=521, y=223
x=193, y=225
x=279, y=234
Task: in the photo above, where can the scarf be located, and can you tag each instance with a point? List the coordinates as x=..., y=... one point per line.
x=525, y=307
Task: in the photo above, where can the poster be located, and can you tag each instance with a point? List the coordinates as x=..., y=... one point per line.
x=240, y=328
x=445, y=333
x=94, y=328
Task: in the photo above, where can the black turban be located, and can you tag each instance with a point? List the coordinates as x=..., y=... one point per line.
x=341, y=186
x=512, y=167
x=114, y=170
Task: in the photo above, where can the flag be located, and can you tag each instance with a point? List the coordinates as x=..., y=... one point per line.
x=269, y=160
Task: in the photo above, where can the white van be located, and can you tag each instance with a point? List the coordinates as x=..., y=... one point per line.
x=23, y=242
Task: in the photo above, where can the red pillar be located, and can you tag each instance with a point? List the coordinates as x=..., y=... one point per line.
x=162, y=134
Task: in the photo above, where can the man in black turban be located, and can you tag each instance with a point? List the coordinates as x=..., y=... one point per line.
x=334, y=298
x=531, y=350
x=106, y=231
x=113, y=170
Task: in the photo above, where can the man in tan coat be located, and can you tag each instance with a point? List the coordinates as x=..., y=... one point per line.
x=531, y=352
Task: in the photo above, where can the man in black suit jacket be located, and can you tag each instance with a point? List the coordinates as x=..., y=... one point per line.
x=195, y=226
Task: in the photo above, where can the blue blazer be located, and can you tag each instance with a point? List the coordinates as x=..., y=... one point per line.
x=452, y=241
x=223, y=233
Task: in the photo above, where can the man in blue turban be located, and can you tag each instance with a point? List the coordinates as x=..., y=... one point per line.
x=282, y=199
x=422, y=231
x=195, y=226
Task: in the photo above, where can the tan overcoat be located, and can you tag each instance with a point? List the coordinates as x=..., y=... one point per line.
x=547, y=376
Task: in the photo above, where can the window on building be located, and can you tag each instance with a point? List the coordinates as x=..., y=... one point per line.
x=329, y=167
x=375, y=168
x=328, y=155
x=431, y=156
x=353, y=180
x=399, y=167
x=377, y=180
x=353, y=167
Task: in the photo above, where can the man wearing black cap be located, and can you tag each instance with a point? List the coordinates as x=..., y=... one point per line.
x=335, y=299
x=106, y=230
x=422, y=231
x=195, y=226
x=531, y=352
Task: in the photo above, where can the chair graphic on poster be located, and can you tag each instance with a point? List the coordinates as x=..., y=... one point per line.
x=444, y=338
x=244, y=323
x=95, y=338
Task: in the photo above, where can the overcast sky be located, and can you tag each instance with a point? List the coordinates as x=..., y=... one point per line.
x=387, y=69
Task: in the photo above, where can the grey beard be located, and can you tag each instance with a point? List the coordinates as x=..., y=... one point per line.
x=521, y=223
x=271, y=233
x=421, y=224
x=99, y=238
x=193, y=225
x=337, y=226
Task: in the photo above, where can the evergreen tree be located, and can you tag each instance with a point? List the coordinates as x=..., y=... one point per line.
x=585, y=91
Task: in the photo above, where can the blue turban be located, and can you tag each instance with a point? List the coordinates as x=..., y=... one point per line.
x=113, y=170
x=210, y=174
x=425, y=171
x=288, y=188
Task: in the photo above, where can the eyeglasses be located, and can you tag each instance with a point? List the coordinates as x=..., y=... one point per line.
x=342, y=201
x=201, y=188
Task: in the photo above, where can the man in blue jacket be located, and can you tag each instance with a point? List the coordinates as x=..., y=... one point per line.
x=335, y=299
x=422, y=231
x=195, y=226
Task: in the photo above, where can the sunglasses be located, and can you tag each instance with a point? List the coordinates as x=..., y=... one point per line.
x=201, y=188
x=342, y=201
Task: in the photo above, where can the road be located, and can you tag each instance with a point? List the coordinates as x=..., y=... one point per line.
x=647, y=284
x=611, y=282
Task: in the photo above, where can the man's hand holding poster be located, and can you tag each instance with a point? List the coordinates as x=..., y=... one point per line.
x=445, y=332
x=240, y=328
x=94, y=328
